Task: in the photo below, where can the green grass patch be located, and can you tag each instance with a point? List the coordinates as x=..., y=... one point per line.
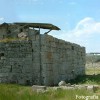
x=17, y=92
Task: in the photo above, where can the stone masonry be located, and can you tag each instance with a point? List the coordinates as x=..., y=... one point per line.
x=28, y=57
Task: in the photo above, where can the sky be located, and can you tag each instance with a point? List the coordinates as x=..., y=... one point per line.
x=79, y=20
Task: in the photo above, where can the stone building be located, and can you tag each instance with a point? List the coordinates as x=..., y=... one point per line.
x=28, y=57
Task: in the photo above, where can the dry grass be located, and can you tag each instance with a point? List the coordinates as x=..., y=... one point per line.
x=93, y=68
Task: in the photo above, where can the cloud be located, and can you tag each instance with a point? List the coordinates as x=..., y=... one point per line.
x=87, y=27
x=84, y=28
x=85, y=33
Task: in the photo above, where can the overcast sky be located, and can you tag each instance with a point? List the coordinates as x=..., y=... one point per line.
x=79, y=20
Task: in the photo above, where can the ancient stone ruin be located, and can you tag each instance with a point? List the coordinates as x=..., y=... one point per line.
x=28, y=57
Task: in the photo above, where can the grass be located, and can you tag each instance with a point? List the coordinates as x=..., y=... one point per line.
x=17, y=92
x=92, y=70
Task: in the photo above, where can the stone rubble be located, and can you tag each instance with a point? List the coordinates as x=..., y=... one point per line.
x=38, y=88
x=92, y=88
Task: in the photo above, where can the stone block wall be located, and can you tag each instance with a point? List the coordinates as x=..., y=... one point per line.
x=15, y=62
x=61, y=60
x=39, y=59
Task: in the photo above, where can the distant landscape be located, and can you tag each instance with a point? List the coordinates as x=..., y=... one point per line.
x=92, y=64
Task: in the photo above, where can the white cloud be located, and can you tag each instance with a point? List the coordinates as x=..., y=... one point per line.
x=87, y=27
x=83, y=29
x=85, y=33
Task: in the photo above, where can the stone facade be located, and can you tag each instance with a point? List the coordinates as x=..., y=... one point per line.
x=28, y=57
